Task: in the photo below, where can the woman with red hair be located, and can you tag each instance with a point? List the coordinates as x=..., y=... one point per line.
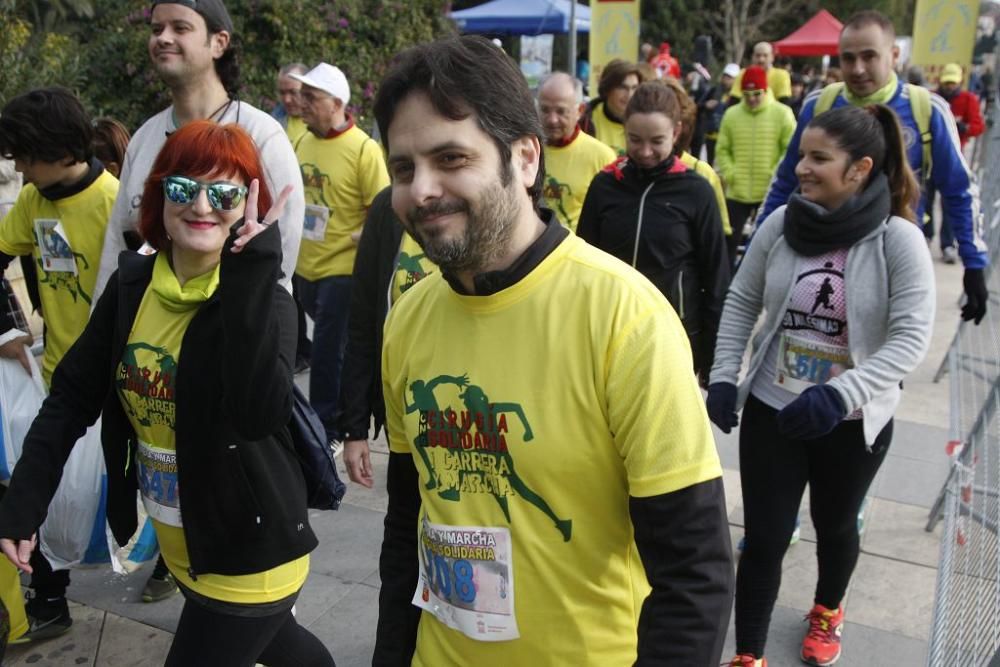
x=188, y=357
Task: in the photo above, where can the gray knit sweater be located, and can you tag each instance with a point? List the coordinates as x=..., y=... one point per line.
x=890, y=313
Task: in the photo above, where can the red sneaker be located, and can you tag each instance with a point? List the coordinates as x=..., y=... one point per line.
x=746, y=660
x=821, y=645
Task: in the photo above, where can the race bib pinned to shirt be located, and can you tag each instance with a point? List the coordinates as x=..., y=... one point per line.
x=804, y=363
x=56, y=252
x=157, y=468
x=314, y=227
x=467, y=579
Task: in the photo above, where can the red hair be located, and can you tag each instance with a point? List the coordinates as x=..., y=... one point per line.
x=199, y=149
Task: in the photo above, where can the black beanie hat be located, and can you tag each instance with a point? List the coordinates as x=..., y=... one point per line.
x=213, y=11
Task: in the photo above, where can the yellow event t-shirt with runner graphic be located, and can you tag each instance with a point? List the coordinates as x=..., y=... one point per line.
x=145, y=383
x=607, y=130
x=295, y=128
x=568, y=172
x=342, y=174
x=528, y=444
x=412, y=266
x=65, y=238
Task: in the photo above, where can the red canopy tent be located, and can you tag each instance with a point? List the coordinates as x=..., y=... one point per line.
x=818, y=37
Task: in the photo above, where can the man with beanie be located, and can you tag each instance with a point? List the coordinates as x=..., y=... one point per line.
x=192, y=50
x=868, y=55
x=753, y=137
x=343, y=170
x=779, y=81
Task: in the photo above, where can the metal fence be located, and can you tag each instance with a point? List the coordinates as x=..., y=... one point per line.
x=966, y=625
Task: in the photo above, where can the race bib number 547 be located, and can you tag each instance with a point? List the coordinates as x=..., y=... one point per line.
x=466, y=579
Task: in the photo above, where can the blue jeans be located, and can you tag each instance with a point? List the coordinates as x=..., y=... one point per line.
x=327, y=301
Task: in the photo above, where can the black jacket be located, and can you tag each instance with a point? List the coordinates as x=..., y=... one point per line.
x=242, y=493
x=681, y=246
x=374, y=267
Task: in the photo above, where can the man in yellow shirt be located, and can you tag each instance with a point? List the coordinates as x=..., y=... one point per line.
x=59, y=220
x=289, y=111
x=779, y=81
x=572, y=157
x=555, y=496
x=342, y=171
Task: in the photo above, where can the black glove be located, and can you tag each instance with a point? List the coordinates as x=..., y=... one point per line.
x=816, y=412
x=721, y=405
x=962, y=128
x=976, y=295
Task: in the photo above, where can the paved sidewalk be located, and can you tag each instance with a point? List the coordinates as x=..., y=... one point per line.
x=888, y=607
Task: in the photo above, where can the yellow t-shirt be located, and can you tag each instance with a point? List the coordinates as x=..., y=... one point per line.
x=608, y=131
x=779, y=83
x=13, y=600
x=295, y=128
x=71, y=231
x=705, y=170
x=528, y=444
x=568, y=173
x=341, y=175
x=145, y=383
x=412, y=266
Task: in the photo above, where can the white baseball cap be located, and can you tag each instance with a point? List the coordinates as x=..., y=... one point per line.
x=327, y=78
x=732, y=69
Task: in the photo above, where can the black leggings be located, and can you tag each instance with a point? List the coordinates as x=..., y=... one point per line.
x=210, y=638
x=774, y=472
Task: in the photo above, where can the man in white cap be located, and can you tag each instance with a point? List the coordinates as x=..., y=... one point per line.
x=190, y=49
x=715, y=104
x=342, y=170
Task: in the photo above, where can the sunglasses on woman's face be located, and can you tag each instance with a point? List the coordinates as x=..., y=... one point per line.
x=222, y=196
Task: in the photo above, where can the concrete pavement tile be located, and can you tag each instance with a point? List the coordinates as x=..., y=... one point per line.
x=863, y=646
x=919, y=441
x=79, y=646
x=126, y=643
x=909, y=481
x=893, y=596
x=734, y=490
x=122, y=595
x=318, y=595
x=728, y=446
x=349, y=542
x=375, y=498
x=897, y=531
x=348, y=628
x=798, y=576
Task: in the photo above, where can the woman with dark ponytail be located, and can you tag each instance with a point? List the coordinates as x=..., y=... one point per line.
x=845, y=280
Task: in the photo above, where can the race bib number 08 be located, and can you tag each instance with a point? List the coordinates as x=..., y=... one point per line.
x=466, y=579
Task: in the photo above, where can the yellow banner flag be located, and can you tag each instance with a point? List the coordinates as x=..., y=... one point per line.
x=614, y=33
x=944, y=31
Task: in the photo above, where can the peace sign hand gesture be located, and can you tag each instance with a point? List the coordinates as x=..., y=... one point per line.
x=252, y=225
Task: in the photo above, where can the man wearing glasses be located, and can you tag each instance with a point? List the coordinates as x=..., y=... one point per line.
x=752, y=140
x=342, y=170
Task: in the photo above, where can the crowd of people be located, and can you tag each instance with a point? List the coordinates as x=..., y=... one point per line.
x=543, y=300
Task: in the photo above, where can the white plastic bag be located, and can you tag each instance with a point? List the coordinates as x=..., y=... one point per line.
x=74, y=531
x=20, y=398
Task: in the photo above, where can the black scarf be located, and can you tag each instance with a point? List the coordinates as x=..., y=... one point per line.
x=812, y=230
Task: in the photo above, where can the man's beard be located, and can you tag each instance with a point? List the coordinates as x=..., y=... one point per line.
x=489, y=226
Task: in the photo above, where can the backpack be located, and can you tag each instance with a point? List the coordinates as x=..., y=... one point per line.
x=324, y=488
x=920, y=105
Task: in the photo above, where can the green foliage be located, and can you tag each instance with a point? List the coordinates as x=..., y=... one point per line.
x=105, y=56
x=32, y=58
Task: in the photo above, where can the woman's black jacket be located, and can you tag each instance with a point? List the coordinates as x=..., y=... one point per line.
x=681, y=246
x=242, y=494
x=374, y=267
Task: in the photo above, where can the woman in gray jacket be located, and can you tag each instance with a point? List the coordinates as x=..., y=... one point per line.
x=845, y=282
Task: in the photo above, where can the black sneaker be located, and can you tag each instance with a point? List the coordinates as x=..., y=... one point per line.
x=46, y=619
